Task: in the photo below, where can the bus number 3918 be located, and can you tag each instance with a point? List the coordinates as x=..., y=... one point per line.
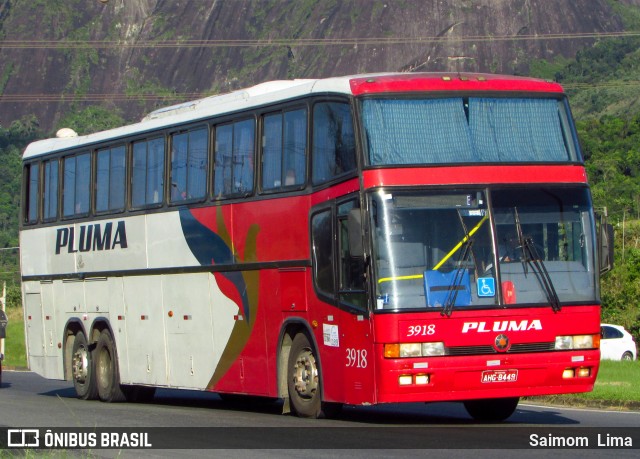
x=421, y=330
x=356, y=358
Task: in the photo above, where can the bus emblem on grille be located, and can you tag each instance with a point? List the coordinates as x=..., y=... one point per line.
x=501, y=343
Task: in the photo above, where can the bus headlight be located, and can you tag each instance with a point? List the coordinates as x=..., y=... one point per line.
x=404, y=350
x=410, y=350
x=432, y=349
x=564, y=343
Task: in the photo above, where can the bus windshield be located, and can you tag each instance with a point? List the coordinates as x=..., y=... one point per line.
x=467, y=130
x=450, y=249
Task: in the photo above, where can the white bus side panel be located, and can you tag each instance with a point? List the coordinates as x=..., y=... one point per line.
x=43, y=354
x=170, y=328
x=166, y=245
x=188, y=329
x=178, y=332
x=144, y=332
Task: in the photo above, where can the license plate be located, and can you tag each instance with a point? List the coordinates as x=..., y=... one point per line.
x=498, y=376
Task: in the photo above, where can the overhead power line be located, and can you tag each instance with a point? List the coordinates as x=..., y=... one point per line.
x=224, y=43
x=114, y=97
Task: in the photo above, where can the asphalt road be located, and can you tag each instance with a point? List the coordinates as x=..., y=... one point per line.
x=196, y=422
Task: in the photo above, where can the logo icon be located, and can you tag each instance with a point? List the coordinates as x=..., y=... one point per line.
x=21, y=438
x=501, y=343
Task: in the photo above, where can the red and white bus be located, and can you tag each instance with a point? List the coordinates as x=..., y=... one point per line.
x=355, y=240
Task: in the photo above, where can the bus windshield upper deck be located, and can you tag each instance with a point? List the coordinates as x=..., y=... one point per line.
x=440, y=249
x=468, y=130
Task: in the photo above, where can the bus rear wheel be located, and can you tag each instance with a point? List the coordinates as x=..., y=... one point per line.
x=493, y=409
x=82, y=369
x=107, y=375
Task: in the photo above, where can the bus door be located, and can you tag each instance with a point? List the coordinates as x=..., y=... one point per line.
x=346, y=337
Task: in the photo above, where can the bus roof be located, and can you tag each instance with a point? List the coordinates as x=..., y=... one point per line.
x=282, y=90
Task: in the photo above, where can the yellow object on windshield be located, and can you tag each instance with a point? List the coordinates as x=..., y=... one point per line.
x=459, y=244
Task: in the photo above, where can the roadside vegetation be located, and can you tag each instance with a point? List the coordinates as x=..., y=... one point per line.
x=616, y=388
x=14, y=347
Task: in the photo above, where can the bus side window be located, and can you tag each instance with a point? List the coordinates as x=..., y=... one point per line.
x=110, y=176
x=334, y=150
x=351, y=268
x=272, y=152
x=76, y=191
x=348, y=283
x=50, y=190
x=284, y=150
x=243, y=151
x=294, y=146
x=322, y=252
x=234, y=157
x=33, y=181
x=147, y=187
x=189, y=164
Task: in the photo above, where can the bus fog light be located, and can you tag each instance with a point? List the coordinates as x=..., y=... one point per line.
x=422, y=379
x=569, y=373
x=584, y=372
x=431, y=349
x=405, y=380
x=410, y=350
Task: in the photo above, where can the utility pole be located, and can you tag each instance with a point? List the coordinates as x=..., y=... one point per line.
x=624, y=215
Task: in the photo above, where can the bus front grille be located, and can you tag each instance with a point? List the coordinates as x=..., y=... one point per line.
x=515, y=349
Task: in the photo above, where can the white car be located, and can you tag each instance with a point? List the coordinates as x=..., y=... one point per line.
x=616, y=343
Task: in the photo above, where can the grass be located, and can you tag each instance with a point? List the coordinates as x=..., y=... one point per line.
x=15, y=354
x=616, y=386
x=618, y=381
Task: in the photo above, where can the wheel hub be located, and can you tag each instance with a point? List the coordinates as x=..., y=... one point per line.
x=81, y=365
x=305, y=375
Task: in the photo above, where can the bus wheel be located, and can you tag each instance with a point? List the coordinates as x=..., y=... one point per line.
x=303, y=379
x=82, y=369
x=493, y=409
x=107, y=376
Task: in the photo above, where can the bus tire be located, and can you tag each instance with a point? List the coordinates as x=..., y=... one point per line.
x=304, y=381
x=492, y=409
x=83, y=369
x=107, y=375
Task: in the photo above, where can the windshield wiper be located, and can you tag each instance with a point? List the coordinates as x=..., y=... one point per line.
x=531, y=257
x=456, y=282
x=534, y=259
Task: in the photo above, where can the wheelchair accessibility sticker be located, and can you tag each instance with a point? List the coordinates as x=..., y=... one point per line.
x=486, y=286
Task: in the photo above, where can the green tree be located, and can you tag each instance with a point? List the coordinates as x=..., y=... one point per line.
x=91, y=119
x=12, y=142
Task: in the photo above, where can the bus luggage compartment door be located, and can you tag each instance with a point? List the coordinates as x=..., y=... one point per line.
x=293, y=289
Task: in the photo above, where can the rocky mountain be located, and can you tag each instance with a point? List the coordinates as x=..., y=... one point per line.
x=136, y=55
